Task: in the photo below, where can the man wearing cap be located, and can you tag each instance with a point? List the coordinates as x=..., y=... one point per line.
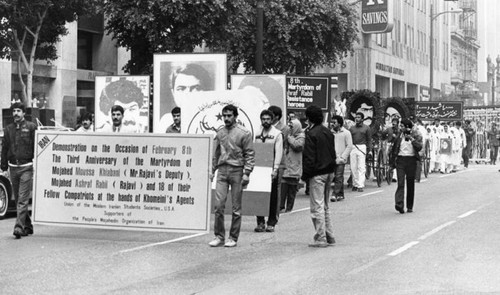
x=17, y=157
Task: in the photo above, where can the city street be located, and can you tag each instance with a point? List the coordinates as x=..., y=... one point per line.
x=449, y=245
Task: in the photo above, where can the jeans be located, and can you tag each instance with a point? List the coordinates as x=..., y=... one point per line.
x=273, y=205
x=320, y=212
x=358, y=165
x=290, y=187
x=228, y=176
x=22, y=180
x=338, y=188
x=405, y=168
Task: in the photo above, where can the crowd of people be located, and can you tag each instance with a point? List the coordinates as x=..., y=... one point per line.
x=315, y=155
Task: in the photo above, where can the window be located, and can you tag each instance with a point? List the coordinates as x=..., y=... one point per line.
x=84, y=53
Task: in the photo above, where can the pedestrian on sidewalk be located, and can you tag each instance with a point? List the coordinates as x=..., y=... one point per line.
x=17, y=161
x=234, y=158
x=293, y=164
x=343, y=147
x=404, y=156
x=318, y=168
x=272, y=136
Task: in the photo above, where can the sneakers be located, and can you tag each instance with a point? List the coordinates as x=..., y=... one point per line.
x=340, y=198
x=354, y=188
x=230, y=243
x=333, y=199
x=330, y=241
x=28, y=231
x=261, y=227
x=360, y=189
x=318, y=244
x=217, y=242
x=270, y=229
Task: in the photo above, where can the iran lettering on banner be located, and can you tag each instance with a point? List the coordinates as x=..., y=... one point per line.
x=201, y=113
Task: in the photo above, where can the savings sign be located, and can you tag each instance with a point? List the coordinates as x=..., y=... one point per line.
x=376, y=16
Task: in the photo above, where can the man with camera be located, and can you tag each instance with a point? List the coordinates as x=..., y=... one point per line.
x=404, y=156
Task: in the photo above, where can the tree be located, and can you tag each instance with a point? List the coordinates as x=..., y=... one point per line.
x=156, y=26
x=299, y=35
x=30, y=30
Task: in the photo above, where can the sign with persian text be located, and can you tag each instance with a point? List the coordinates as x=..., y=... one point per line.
x=443, y=110
x=157, y=182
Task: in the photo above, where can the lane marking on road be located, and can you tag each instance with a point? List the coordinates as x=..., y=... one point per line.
x=467, y=213
x=366, y=266
x=430, y=233
x=404, y=248
x=300, y=210
x=161, y=243
x=368, y=194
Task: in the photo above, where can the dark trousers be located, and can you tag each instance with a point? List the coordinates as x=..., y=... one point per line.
x=493, y=154
x=405, y=169
x=273, y=205
x=418, y=171
x=338, y=188
x=466, y=155
x=22, y=184
x=289, y=187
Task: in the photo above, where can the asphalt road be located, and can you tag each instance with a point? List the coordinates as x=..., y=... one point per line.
x=449, y=245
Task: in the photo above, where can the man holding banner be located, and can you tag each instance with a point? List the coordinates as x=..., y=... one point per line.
x=234, y=158
x=270, y=135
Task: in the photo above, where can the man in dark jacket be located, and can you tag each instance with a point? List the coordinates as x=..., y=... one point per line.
x=404, y=157
x=318, y=167
x=17, y=156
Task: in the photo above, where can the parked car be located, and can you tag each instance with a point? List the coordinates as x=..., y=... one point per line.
x=7, y=203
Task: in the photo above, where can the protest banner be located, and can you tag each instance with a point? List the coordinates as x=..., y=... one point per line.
x=443, y=110
x=123, y=181
x=202, y=114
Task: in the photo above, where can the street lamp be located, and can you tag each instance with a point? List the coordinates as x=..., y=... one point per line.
x=493, y=71
x=431, y=49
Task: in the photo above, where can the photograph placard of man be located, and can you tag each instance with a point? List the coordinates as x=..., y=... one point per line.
x=177, y=75
x=129, y=92
x=394, y=108
x=270, y=89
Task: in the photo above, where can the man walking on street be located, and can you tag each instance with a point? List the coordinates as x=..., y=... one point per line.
x=404, y=156
x=318, y=166
x=343, y=147
x=234, y=158
x=17, y=156
x=469, y=135
x=270, y=135
x=362, y=146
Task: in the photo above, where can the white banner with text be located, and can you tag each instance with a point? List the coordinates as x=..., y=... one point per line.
x=156, y=182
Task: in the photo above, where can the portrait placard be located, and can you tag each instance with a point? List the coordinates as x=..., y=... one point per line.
x=130, y=92
x=176, y=75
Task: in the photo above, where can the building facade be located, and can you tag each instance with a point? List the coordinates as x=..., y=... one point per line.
x=397, y=64
x=66, y=84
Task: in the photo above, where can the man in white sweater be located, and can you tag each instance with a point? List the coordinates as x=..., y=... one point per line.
x=343, y=147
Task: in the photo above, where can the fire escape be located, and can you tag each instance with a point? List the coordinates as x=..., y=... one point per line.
x=464, y=75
